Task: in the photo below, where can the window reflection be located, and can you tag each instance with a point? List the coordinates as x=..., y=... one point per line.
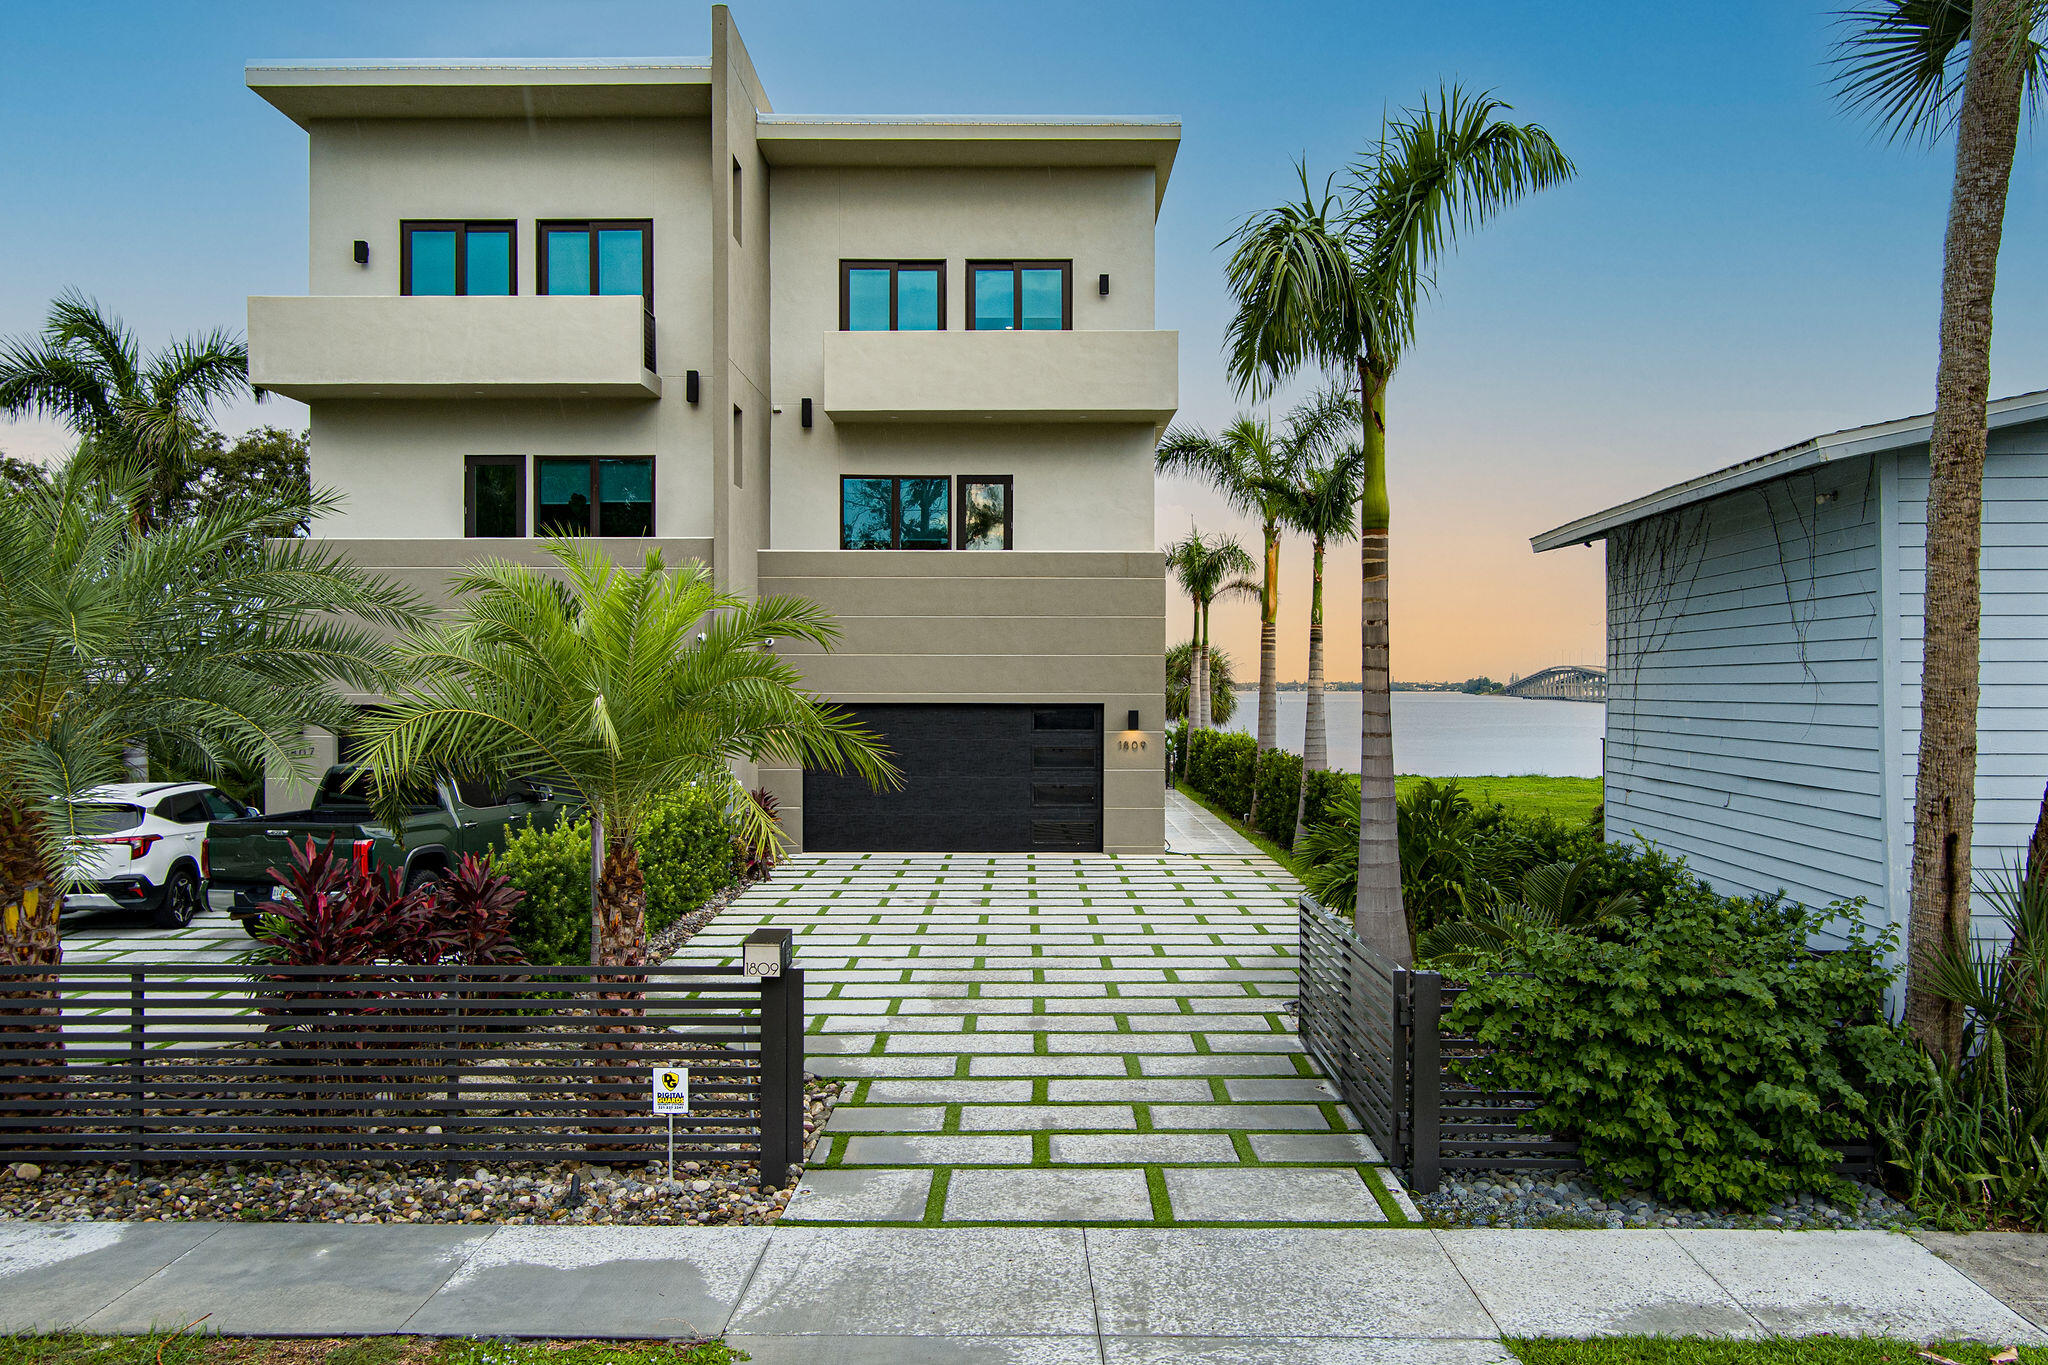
x=926, y=515
x=867, y=514
x=984, y=514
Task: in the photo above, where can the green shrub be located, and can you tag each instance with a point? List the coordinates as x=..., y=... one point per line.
x=1327, y=793
x=1279, y=787
x=1221, y=765
x=686, y=853
x=1703, y=1054
x=551, y=864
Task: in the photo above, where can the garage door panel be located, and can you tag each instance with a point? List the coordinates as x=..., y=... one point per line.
x=977, y=778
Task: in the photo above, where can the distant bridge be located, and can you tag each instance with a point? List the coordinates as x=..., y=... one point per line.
x=1566, y=682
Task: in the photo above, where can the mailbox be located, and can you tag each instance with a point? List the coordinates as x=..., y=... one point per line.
x=766, y=952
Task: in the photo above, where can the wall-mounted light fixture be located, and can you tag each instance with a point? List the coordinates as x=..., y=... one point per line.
x=362, y=252
x=1132, y=723
x=690, y=386
x=1102, y=285
x=807, y=414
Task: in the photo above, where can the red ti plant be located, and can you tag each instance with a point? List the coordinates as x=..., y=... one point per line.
x=332, y=913
x=475, y=915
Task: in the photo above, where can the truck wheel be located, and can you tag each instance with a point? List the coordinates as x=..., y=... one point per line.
x=182, y=896
x=422, y=878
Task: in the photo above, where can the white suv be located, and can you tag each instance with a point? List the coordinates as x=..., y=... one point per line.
x=146, y=846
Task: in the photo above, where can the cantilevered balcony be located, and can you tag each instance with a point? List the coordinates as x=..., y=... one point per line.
x=1079, y=376
x=369, y=346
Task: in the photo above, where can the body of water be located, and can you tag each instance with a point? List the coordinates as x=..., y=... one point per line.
x=1449, y=734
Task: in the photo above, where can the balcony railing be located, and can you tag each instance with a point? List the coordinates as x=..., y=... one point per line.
x=1078, y=376
x=647, y=339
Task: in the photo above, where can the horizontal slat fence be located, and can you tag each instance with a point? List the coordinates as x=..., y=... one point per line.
x=1378, y=1032
x=180, y=1062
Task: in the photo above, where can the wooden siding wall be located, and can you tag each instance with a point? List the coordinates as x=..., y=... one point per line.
x=2012, y=709
x=1744, y=689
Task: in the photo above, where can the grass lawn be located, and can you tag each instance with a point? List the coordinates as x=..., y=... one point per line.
x=197, y=1348
x=1776, y=1351
x=1563, y=798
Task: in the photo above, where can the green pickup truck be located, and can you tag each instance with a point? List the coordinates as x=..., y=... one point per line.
x=457, y=816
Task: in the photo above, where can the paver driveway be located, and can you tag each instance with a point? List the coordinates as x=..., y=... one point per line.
x=1059, y=1039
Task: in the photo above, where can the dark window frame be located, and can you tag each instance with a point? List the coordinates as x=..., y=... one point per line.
x=472, y=463
x=592, y=226
x=1066, y=269
x=461, y=228
x=896, y=510
x=846, y=269
x=960, y=483
x=593, y=461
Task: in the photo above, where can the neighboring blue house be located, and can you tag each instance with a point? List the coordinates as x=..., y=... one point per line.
x=1763, y=652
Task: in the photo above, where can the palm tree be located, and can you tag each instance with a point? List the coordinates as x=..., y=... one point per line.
x=86, y=370
x=1919, y=68
x=1324, y=507
x=622, y=685
x=1257, y=471
x=1219, y=683
x=1206, y=569
x=1336, y=283
x=214, y=646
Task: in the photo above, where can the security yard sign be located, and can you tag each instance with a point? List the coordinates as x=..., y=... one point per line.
x=671, y=1090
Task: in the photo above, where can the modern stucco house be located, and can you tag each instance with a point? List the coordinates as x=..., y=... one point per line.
x=1763, y=647
x=906, y=368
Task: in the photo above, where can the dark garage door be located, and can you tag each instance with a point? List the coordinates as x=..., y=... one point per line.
x=976, y=779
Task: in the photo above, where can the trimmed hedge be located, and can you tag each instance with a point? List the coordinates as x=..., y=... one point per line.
x=687, y=852
x=1221, y=766
x=1279, y=788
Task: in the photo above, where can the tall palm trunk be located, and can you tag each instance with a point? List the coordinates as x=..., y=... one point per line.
x=29, y=897
x=1381, y=921
x=1315, y=739
x=1944, y=802
x=1269, y=658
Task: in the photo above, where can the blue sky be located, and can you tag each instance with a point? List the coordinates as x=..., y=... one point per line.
x=1738, y=265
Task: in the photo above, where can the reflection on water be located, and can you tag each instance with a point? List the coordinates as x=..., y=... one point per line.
x=1448, y=734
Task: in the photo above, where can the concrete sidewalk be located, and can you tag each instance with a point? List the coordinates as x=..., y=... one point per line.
x=1032, y=1296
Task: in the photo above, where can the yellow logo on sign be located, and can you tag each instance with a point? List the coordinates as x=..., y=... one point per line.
x=669, y=1080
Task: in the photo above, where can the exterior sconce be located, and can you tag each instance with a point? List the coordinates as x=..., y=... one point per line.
x=690, y=386
x=1133, y=737
x=766, y=952
x=807, y=414
x=1132, y=724
x=362, y=252
x=1102, y=285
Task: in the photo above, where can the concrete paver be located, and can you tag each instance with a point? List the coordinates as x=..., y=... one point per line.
x=2012, y=1265
x=1063, y=1196
x=1618, y=1284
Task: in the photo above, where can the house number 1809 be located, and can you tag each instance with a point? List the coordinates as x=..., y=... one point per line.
x=1130, y=744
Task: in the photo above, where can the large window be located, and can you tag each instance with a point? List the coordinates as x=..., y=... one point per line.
x=984, y=504
x=457, y=258
x=1021, y=296
x=610, y=256
x=494, y=495
x=892, y=296
x=885, y=512
x=595, y=497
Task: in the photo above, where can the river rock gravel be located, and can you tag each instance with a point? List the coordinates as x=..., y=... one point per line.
x=703, y=1194
x=1503, y=1199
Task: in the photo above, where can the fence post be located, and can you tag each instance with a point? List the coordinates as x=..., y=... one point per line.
x=782, y=1072
x=137, y=1052
x=1426, y=1077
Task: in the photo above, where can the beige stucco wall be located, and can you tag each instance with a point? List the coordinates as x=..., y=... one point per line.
x=1080, y=485
x=1018, y=627
x=399, y=463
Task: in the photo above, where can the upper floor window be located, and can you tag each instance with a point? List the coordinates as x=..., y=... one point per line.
x=609, y=256
x=1022, y=296
x=884, y=512
x=494, y=495
x=892, y=296
x=984, y=504
x=456, y=258
x=595, y=497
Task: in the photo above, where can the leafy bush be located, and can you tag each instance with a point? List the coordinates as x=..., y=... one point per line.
x=1279, y=787
x=1221, y=766
x=1971, y=1138
x=686, y=853
x=1704, y=1053
x=331, y=913
x=551, y=864
x=1326, y=793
